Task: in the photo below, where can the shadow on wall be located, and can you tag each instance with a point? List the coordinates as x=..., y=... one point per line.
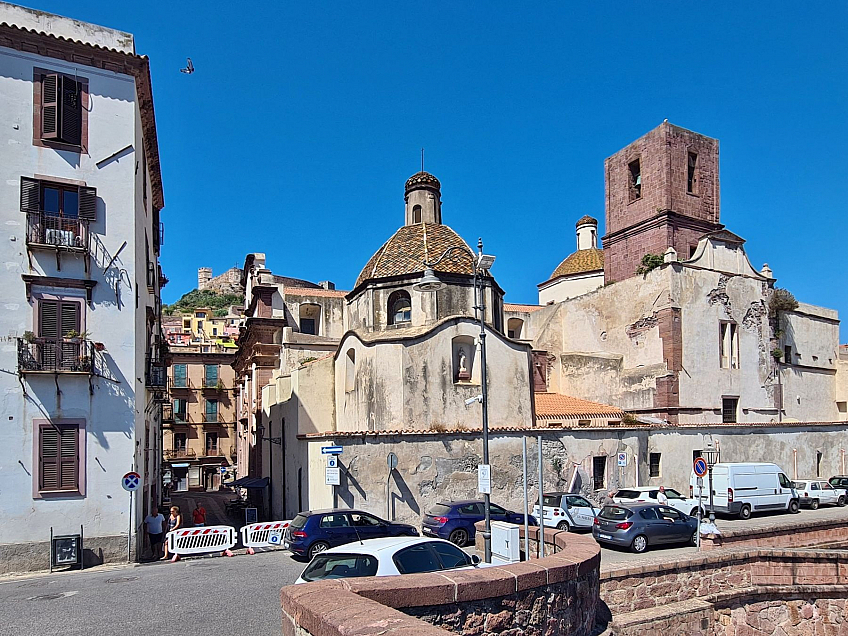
x=404, y=496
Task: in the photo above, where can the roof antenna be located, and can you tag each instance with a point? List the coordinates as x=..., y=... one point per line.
x=422, y=160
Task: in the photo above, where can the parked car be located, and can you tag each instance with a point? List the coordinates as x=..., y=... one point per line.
x=314, y=531
x=454, y=520
x=648, y=494
x=387, y=557
x=566, y=511
x=640, y=526
x=813, y=492
x=840, y=482
x=744, y=488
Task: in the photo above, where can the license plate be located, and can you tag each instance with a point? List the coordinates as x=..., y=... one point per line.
x=604, y=536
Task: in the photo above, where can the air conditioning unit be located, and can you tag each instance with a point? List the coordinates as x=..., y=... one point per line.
x=506, y=543
x=59, y=237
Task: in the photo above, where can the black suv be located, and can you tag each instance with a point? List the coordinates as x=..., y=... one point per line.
x=314, y=531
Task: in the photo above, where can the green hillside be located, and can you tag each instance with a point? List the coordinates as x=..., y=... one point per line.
x=206, y=298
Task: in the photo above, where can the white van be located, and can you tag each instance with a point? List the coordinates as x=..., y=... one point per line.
x=743, y=488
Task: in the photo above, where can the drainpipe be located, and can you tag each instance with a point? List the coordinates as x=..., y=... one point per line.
x=795, y=463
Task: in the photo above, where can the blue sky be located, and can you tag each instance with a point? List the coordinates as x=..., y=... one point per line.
x=303, y=120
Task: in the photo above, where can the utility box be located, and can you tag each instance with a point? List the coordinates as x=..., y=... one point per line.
x=506, y=543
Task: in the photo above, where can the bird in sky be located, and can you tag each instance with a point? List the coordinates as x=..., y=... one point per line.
x=189, y=69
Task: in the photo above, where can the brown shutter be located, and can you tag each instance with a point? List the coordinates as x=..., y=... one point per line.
x=87, y=203
x=30, y=195
x=68, y=457
x=70, y=317
x=48, y=455
x=48, y=321
x=70, y=112
x=540, y=371
x=50, y=94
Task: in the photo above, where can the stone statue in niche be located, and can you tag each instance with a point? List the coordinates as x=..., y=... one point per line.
x=463, y=374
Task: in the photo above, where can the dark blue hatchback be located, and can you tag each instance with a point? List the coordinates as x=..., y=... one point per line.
x=454, y=520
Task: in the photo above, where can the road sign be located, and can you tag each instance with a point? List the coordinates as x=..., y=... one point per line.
x=391, y=460
x=331, y=450
x=622, y=459
x=223, y=469
x=484, y=479
x=131, y=482
x=700, y=466
x=332, y=461
x=332, y=476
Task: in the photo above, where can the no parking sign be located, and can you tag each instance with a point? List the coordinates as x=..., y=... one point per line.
x=131, y=481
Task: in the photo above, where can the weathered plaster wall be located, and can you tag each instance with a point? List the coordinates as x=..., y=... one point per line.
x=570, y=287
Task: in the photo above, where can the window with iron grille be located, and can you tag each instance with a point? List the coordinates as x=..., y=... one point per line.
x=57, y=213
x=654, y=464
x=599, y=466
x=729, y=407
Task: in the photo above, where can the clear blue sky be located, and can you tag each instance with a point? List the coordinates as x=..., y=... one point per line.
x=303, y=120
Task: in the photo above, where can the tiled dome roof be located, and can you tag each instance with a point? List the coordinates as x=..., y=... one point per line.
x=406, y=251
x=587, y=219
x=422, y=180
x=582, y=261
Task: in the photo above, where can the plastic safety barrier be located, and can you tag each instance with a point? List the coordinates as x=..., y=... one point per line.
x=201, y=540
x=259, y=535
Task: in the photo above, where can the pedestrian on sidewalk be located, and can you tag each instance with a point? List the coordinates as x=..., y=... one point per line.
x=175, y=522
x=154, y=527
x=199, y=515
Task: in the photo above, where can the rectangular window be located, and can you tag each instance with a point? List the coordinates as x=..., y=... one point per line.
x=728, y=410
x=692, y=173
x=654, y=464
x=180, y=441
x=696, y=454
x=729, y=345
x=787, y=354
x=180, y=376
x=211, y=410
x=818, y=463
x=200, y=314
x=210, y=374
x=180, y=410
x=58, y=108
x=59, y=325
x=211, y=443
x=307, y=325
x=58, y=457
x=599, y=465
x=635, y=174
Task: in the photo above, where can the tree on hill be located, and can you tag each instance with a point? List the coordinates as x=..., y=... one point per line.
x=196, y=299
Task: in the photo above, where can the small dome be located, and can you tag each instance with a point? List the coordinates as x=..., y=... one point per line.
x=581, y=262
x=587, y=220
x=407, y=250
x=422, y=180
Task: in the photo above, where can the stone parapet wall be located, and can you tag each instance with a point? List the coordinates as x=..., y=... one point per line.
x=803, y=533
x=554, y=595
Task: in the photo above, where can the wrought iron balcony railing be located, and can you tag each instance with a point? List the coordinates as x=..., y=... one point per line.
x=48, y=230
x=180, y=383
x=216, y=384
x=214, y=452
x=55, y=355
x=156, y=375
x=179, y=453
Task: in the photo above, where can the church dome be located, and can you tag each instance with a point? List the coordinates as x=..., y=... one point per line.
x=587, y=220
x=422, y=180
x=407, y=250
x=581, y=262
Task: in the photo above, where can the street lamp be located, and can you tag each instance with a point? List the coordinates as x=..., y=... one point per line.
x=431, y=283
x=711, y=455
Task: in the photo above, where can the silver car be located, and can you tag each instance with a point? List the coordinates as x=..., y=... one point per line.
x=642, y=525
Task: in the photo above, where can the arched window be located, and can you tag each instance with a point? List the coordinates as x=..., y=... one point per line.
x=350, y=370
x=400, y=308
x=514, y=327
x=416, y=214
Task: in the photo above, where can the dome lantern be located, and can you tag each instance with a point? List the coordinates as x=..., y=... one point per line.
x=423, y=197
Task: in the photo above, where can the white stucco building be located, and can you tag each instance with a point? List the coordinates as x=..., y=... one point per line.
x=80, y=193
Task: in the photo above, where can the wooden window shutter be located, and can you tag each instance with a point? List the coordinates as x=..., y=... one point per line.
x=68, y=457
x=540, y=371
x=30, y=195
x=50, y=89
x=71, y=112
x=70, y=315
x=87, y=203
x=48, y=452
x=48, y=319
x=58, y=455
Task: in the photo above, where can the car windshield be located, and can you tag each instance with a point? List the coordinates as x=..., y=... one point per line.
x=614, y=513
x=298, y=522
x=439, y=510
x=628, y=494
x=340, y=566
x=551, y=500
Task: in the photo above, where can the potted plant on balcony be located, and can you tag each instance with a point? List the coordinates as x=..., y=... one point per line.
x=220, y=385
x=29, y=337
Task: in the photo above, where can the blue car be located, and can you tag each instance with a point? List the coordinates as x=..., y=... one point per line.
x=454, y=520
x=314, y=531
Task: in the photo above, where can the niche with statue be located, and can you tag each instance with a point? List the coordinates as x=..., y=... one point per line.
x=464, y=357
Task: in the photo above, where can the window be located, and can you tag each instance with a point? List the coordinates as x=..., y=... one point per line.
x=210, y=375
x=199, y=326
x=818, y=463
x=350, y=370
x=669, y=513
x=339, y=566
x=211, y=411
x=416, y=558
x=635, y=174
x=474, y=509
x=59, y=326
x=696, y=454
x=577, y=502
x=692, y=250
x=514, y=327
x=362, y=520
x=310, y=314
x=842, y=407
x=787, y=354
x=599, y=465
x=400, y=308
x=211, y=443
x=58, y=457
x=200, y=314
x=416, y=214
x=337, y=520
x=654, y=464
x=496, y=510
x=180, y=441
x=648, y=513
x=691, y=173
x=814, y=485
x=58, y=105
x=180, y=376
x=307, y=325
x=180, y=410
x=728, y=410
x=729, y=345
x=450, y=555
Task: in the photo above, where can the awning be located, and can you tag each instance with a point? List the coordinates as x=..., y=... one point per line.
x=249, y=482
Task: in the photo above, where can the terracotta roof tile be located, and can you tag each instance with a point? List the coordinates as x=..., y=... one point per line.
x=586, y=219
x=406, y=251
x=518, y=307
x=556, y=405
x=301, y=291
x=581, y=261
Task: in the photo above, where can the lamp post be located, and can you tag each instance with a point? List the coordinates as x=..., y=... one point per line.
x=431, y=283
x=711, y=455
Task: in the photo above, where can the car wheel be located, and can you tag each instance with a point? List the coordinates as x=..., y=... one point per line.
x=793, y=506
x=841, y=501
x=814, y=504
x=458, y=537
x=693, y=540
x=315, y=548
x=745, y=512
x=640, y=544
x=694, y=513
x=563, y=525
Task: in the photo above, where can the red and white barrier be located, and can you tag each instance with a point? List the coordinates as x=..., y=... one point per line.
x=201, y=540
x=267, y=534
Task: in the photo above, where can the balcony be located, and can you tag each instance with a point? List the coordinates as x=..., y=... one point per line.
x=52, y=355
x=156, y=375
x=213, y=384
x=214, y=452
x=180, y=453
x=48, y=231
x=181, y=384
x=213, y=418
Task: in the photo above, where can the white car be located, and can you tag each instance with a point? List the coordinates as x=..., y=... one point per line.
x=387, y=557
x=648, y=494
x=566, y=511
x=812, y=492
